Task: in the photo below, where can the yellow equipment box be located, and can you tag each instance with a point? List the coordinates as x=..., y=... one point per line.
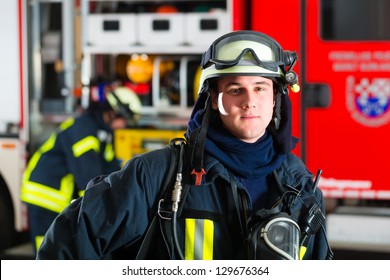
x=132, y=142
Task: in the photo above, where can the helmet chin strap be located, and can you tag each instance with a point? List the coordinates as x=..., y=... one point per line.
x=277, y=115
x=198, y=140
x=221, y=109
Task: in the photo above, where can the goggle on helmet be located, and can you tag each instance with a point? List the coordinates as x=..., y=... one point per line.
x=248, y=53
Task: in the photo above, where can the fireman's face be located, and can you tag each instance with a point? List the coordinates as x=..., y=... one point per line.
x=114, y=121
x=245, y=104
x=118, y=123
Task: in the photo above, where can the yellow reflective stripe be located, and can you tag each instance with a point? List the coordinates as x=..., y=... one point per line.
x=109, y=152
x=302, y=252
x=47, y=197
x=48, y=145
x=189, y=240
x=66, y=124
x=199, y=239
x=208, y=243
x=38, y=241
x=86, y=144
x=42, y=195
x=81, y=193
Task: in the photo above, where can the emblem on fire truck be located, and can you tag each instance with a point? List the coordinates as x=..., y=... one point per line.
x=368, y=100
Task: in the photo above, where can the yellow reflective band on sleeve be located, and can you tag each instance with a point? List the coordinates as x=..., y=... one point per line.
x=86, y=144
x=109, y=152
x=199, y=239
x=48, y=145
x=38, y=241
x=66, y=124
x=302, y=252
x=47, y=197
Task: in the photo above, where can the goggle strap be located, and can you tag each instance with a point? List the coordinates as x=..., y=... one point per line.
x=206, y=57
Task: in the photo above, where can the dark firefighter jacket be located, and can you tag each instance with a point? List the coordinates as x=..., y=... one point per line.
x=116, y=211
x=60, y=169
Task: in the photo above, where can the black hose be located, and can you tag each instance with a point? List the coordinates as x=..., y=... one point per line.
x=175, y=239
x=176, y=195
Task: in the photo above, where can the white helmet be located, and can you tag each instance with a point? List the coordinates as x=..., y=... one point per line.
x=248, y=53
x=124, y=102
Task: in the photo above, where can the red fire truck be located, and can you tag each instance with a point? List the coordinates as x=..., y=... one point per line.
x=343, y=111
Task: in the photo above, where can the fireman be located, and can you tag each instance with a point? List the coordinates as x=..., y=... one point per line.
x=237, y=190
x=79, y=150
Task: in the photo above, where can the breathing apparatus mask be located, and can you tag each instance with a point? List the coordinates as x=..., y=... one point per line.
x=274, y=234
x=273, y=237
x=283, y=232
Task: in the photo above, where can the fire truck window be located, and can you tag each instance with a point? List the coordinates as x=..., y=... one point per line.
x=365, y=20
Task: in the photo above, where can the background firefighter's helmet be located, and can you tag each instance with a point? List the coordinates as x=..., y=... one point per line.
x=124, y=102
x=120, y=99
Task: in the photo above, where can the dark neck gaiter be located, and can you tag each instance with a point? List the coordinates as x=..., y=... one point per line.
x=247, y=160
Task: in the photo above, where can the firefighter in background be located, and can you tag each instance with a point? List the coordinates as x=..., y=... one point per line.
x=79, y=150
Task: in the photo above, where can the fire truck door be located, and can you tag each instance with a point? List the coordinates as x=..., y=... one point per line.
x=346, y=96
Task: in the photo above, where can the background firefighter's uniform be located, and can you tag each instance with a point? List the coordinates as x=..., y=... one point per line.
x=61, y=168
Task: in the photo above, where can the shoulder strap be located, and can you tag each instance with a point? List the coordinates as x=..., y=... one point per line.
x=164, y=192
x=237, y=203
x=145, y=245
